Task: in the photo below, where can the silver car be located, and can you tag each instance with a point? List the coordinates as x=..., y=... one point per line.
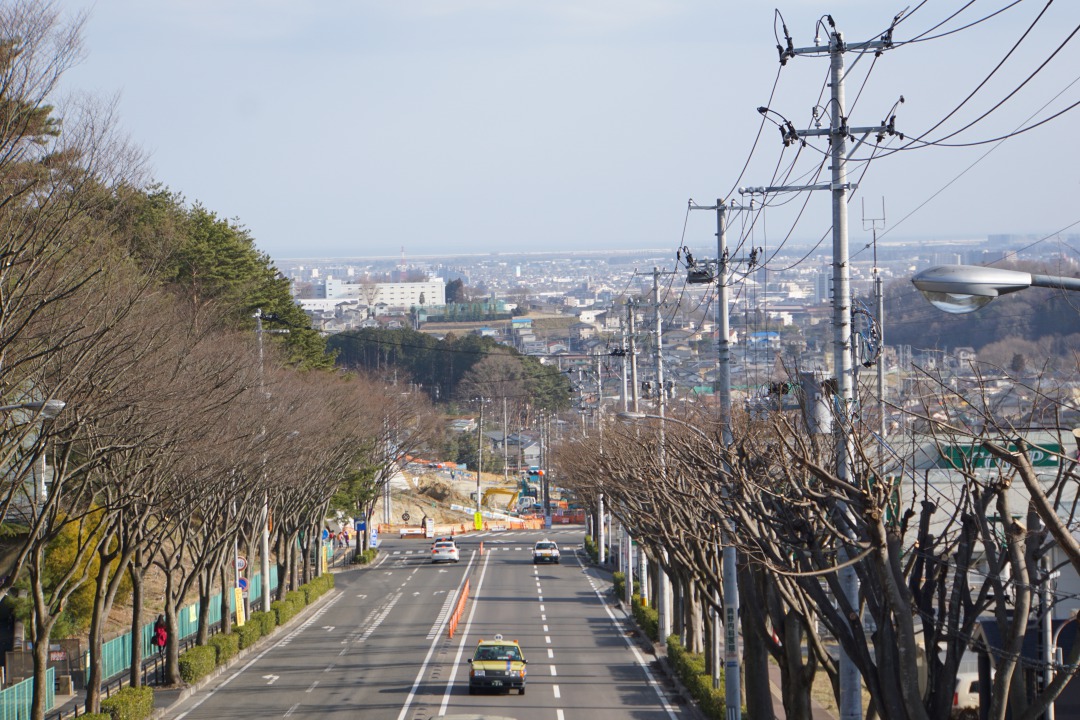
x=444, y=552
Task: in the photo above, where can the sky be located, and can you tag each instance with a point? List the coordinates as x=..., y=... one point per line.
x=372, y=128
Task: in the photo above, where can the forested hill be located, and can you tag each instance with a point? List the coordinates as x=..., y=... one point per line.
x=1028, y=327
x=463, y=368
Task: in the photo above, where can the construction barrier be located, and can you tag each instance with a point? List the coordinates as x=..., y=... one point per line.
x=459, y=609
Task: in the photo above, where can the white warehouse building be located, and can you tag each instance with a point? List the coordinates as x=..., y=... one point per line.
x=396, y=295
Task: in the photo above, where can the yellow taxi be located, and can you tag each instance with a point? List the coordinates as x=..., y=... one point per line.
x=497, y=664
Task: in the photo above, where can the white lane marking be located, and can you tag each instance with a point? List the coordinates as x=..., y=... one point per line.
x=555, y=689
x=434, y=643
x=284, y=641
x=546, y=629
x=313, y=686
x=292, y=710
x=543, y=618
x=381, y=616
x=542, y=609
x=547, y=639
x=559, y=714
x=621, y=628
x=551, y=653
x=461, y=643
x=553, y=673
x=541, y=598
x=447, y=608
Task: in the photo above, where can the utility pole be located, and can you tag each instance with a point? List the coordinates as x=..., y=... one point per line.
x=663, y=590
x=264, y=549
x=879, y=296
x=838, y=133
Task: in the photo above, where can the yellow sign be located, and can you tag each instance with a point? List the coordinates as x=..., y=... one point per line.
x=478, y=521
x=238, y=603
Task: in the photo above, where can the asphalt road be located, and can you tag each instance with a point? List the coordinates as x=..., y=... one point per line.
x=379, y=648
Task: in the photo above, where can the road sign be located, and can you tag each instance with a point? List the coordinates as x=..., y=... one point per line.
x=241, y=562
x=325, y=534
x=405, y=517
x=242, y=583
x=374, y=539
x=361, y=526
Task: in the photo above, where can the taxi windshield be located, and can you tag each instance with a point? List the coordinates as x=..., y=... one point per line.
x=498, y=652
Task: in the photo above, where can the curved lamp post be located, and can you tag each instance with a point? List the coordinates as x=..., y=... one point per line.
x=959, y=289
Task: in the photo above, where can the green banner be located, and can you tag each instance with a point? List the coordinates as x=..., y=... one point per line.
x=976, y=456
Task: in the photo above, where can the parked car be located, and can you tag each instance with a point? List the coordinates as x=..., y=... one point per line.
x=444, y=552
x=966, y=697
x=497, y=665
x=545, y=551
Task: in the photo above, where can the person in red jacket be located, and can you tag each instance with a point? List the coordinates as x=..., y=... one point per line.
x=161, y=633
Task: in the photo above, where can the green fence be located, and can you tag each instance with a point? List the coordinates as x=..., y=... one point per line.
x=15, y=700
x=116, y=653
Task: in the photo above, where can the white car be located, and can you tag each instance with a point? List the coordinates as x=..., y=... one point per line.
x=545, y=551
x=444, y=552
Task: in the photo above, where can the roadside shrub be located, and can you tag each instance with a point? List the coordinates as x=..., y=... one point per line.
x=225, y=646
x=248, y=634
x=647, y=618
x=690, y=667
x=266, y=621
x=197, y=663
x=298, y=600
x=365, y=556
x=283, y=611
x=96, y=716
x=590, y=548
x=619, y=579
x=130, y=703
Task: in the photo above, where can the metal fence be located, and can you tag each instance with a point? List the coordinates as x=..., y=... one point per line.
x=15, y=700
x=116, y=653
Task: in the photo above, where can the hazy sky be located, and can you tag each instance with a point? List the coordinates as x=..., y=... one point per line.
x=357, y=128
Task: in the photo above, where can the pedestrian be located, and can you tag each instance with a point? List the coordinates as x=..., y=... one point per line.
x=161, y=634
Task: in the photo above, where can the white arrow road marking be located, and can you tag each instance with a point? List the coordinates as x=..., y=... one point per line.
x=328, y=628
x=361, y=596
x=439, y=592
x=271, y=679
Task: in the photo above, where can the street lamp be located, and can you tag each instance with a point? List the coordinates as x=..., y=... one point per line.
x=959, y=289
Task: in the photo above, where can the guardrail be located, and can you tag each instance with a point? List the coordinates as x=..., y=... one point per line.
x=459, y=609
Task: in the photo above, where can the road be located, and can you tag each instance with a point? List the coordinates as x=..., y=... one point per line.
x=378, y=649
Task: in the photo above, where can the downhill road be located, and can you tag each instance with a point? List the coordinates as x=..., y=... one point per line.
x=378, y=648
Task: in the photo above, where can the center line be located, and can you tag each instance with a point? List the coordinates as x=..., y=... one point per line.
x=555, y=689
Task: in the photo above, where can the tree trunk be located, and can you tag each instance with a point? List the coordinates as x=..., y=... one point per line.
x=755, y=665
x=134, y=672
x=226, y=597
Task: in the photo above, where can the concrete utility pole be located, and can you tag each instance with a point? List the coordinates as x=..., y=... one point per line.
x=663, y=590
x=264, y=549
x=879, y=296
x=838, y=133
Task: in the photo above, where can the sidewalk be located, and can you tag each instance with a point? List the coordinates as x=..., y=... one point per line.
x=66, y=706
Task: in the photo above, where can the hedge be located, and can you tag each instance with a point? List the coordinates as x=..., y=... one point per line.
x=265, y=621
x=690, y=668
x=225, y=646
x=647, y=618
x=297, y=598
x=590, y=548
x=95, y=716
x=365, y=556
x=248, y=634
x=197, y=663
x=283, y=611
x=130, y=703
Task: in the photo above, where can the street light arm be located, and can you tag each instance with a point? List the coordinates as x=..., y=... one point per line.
x=959, y=289
x=1055, y=281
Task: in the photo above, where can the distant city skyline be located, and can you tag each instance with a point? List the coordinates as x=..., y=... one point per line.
x=353, y=129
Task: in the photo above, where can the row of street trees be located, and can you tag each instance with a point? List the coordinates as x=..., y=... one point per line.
x=182, y=427
x=933, y=558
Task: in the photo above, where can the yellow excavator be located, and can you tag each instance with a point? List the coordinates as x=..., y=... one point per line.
x=498, y=491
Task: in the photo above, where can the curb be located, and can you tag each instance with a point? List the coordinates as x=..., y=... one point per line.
x=187, y=691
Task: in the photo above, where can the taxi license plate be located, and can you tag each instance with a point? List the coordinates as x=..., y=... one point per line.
x=496, y=683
